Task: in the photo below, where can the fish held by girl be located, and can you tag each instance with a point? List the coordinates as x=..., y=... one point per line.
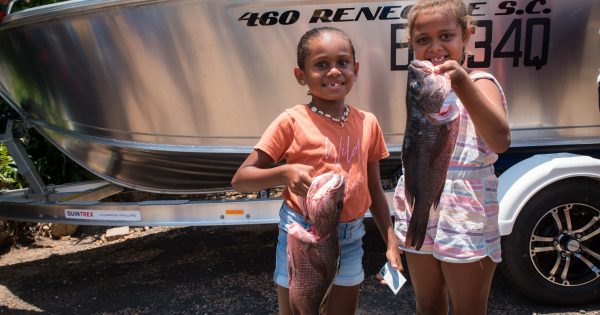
x=431, y=132
x=313, y=254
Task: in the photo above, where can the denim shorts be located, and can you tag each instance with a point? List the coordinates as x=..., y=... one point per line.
x=351, y=271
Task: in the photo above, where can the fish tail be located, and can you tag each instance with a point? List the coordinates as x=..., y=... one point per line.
x=417, y=227
x=437, y=196
x=415, y=235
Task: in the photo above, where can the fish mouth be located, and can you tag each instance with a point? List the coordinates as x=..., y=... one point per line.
x=448, y=112
x=325, y=190
x=324, y=187
x=423, y=66
x=330, y=182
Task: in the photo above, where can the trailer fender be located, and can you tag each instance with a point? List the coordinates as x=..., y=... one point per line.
x=523, y=180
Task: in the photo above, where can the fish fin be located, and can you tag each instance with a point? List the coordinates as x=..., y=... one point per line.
x=418, y=240
x=291, y=264
x=410, y=185
x=418, y=231
x=410, y=199
x=417, y=228
x=325, y=301
x=309, y=236
x=411, y=180
x=436, y=201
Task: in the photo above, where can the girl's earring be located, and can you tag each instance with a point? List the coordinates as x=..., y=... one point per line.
x=464, y=56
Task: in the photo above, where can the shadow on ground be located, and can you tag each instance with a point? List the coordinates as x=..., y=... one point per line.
x=202, y=270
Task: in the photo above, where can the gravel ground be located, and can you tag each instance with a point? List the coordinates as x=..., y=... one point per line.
x=190, y=270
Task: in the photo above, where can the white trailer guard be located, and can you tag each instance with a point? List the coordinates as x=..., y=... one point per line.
x=521, y=182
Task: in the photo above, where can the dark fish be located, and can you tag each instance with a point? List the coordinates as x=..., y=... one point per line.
x=429, y=139
x=313, y=255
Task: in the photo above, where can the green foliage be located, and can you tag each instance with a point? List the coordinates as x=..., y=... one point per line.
x=51, y=164
x=9, y=175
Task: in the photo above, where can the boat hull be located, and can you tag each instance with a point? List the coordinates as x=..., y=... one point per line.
x=170, y=96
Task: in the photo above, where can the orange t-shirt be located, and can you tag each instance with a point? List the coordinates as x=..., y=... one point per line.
x=300, y=136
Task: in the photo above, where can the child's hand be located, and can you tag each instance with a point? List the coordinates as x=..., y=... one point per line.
x=393, y=256
x=396, y=265
x=298, y=178
x=454, y=70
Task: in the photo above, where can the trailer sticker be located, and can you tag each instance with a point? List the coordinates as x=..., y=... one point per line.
x=103, y=215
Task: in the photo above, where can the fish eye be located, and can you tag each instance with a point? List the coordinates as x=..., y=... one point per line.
x=415, y=85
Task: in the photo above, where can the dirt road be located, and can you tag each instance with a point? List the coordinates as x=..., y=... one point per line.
x=191, y=270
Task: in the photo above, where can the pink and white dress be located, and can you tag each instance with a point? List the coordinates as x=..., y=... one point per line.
x=464, y=227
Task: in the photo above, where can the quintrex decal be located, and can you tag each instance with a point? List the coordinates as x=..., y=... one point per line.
x=103, y=215
x=517, y=30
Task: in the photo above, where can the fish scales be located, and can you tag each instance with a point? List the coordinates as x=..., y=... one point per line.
x=429, y=139
x=312, y=271
x=313, y=255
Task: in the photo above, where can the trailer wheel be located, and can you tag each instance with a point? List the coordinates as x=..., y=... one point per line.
x=553, y=252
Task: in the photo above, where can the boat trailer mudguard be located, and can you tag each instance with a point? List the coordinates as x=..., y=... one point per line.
x=523, y=180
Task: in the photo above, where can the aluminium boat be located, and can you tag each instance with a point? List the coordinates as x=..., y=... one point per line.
x=170, y=96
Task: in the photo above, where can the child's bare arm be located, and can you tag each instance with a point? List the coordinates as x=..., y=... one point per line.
x=255, y=174
x=381, y=215
x=484, y=103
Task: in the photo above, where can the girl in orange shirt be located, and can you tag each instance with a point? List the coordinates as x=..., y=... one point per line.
x=325, y=135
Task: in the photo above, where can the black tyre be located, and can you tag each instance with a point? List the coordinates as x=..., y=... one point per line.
x=553, y=252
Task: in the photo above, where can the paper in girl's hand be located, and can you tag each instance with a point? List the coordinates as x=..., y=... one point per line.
x=394, y=279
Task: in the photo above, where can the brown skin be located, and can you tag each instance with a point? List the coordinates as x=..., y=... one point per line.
x=342, y=300
x=434, y=281
x=329, y=72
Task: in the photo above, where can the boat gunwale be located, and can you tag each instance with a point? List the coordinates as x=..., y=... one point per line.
x=63, y=9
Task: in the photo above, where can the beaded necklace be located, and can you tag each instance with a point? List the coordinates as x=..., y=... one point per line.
x=341, y=121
